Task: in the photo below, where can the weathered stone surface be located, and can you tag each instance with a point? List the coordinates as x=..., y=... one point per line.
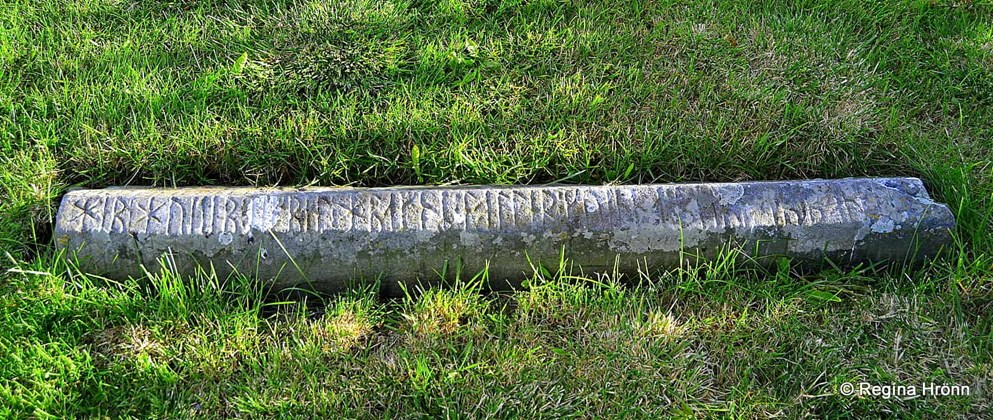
x=329, y=237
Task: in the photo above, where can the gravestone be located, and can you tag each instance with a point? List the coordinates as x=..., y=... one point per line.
x=332, y=238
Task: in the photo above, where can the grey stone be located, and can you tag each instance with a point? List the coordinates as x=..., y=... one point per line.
x=332, y=238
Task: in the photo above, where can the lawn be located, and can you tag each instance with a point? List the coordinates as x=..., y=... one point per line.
x=95, y=93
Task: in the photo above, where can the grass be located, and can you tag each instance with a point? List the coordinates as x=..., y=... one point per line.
x=268, y=92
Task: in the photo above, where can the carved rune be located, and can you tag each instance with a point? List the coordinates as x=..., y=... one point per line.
x=88, y=209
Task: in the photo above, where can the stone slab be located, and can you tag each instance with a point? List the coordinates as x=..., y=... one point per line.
x=332, y=238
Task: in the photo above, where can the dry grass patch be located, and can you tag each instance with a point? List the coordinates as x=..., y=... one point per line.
x=128, y=343
x=342, y=331
x=443, y=312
